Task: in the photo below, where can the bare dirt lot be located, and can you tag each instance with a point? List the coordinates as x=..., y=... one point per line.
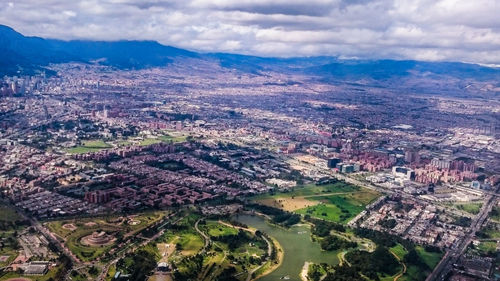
x=288, y=204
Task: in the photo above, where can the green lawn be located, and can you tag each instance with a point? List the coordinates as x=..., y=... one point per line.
x=487, y=247
x=8, y=218
x=413, y=273
x=124, y=143
x=168, y=138
x=8, y=214
x=339, y=202
x=111, y=272
x=311, y=190
x=495, y=213
x=189, y=240
x=399, y=250
x=8, y=251
x=471, y=208
x=51, y=274
x=430, y=258
x=323, y=211
x=89, y=146
x=492, y=233
x=145, y=142
x=216, y=229
x=340, y=208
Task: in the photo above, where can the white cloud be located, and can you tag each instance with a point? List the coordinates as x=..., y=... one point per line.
x=455, y=30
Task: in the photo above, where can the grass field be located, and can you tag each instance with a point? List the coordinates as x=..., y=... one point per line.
x=168, y=138
x=89, y=146
x=413, y=272
x=124, y=143
x=495, y=214
x=145, y=142
x=492, y=232
x=430, y=258
x=338, y=202
x=10, y=252
x=341, y=207
x=188, y=241
x=51, y=274
x=312, y=190
x=288, y=203
x=216, y=229
x=487, y=247
x=8, y=217
x=219, y=256
x=111, y=272
x=8, y=214
x=471, y=208
x=399, y=250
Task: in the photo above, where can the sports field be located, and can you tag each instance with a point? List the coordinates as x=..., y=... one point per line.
x=89, y=146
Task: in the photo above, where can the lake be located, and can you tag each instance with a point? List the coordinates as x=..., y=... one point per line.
x=297, y=245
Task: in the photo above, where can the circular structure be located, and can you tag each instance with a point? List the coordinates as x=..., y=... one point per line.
x=98, y=239
x=69, y=226
x=90, y=223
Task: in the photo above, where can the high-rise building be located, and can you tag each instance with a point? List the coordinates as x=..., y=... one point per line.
x=412, y=156
x=332, y=163
x=178, y=126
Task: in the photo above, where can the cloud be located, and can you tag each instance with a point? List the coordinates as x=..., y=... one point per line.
x=453, y=30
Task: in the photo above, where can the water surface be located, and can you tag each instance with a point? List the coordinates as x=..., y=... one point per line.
x=297, y=245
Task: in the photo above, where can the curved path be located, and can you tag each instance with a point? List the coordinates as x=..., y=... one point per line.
x=402, y=263
x=269, y=246
x=205, y=237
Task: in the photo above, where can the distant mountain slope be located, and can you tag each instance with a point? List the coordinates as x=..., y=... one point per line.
x=18, y=52
x=385, y=69
x=122, y=54
x=29, y=54
x=25, y=55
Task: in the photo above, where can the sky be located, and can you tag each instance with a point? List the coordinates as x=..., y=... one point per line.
x=431, y=30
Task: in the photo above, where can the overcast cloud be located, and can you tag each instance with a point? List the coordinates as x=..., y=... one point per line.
x=453, y=30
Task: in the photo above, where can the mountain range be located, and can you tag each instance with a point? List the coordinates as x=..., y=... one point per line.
x=22, y=55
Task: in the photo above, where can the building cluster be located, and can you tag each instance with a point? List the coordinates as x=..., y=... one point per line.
x=166, y=137
x=46, y=204
x=21, y=85
x=417, y=221
x=444, y=171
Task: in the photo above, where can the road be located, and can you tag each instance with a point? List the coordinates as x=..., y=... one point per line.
x=207, y=239
x=445, y=266
x=452, y=256
x=50, y=237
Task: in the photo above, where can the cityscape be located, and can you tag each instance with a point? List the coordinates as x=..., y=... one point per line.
x=131, y=160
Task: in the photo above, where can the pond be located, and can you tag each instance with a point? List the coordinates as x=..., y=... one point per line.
x=297, y=245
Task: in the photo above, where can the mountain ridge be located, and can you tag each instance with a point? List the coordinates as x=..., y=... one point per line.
x=26, y=55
